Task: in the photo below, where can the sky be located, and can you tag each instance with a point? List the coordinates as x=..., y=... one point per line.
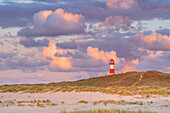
x=43, y=41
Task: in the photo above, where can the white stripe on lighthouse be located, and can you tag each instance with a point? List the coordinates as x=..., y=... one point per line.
x=111, y=66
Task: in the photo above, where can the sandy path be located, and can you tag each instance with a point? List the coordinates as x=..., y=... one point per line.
x=140, y=78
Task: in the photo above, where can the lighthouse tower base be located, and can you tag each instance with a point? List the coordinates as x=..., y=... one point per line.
x=112, y=70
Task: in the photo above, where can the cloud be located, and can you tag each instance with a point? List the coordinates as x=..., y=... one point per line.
x=24, y=63
x=7, y=55
x=18, y=14
x=61, y=62
x=156, y=5
x=92, y=10
x=149, y=60
x=163, y=31
x=105, y=56
x=117, y=21
x=124, y=4
x=59, y=22
x=133, y=49
x=153, y=42
x=151, y=54
x=67, y=45
x=28, y=62
x=71, y=60
x=154, y=63
x=33, y=43
x=75, y=54
x=128, y=68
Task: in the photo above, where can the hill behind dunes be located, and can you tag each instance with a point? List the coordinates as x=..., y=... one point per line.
x=149, y=78
x=150, y=82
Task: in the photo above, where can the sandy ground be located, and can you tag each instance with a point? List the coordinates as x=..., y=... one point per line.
x=71, y=98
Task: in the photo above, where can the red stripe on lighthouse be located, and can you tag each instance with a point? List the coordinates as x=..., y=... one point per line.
x=112, y=70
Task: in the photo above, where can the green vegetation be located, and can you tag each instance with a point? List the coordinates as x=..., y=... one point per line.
x=82, y=102
x=20, y=104
x=107, y=111
x=40, y=105
x=166, y=105
x=30, y=103
x=122, y=102
x=53, y=104
x=152, y=83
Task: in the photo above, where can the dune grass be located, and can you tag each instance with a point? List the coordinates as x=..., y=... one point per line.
x=122, y=102
x=153, y=82
x=31, y=103
x=82, y=102
x=107, y=111
x=142, y=90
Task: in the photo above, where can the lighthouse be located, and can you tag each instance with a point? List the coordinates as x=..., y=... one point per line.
x=112, y=70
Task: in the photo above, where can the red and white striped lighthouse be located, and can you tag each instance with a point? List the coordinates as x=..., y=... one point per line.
x=112, y=70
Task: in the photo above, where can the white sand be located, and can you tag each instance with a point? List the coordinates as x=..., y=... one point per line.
x=68, y=97
x=71, y=98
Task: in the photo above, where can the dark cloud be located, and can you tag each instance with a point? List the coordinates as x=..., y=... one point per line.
x=75, y=55
x=14, y=14
x=28, y=63
x=155, y=63
x=5, y=55
x=163, y=31
x=34, y=43
x=67, y=45
x=31, y=63
x=116, y=42
x=150, y=5
x=1, y=43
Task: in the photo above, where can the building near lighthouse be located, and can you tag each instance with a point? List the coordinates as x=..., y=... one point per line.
x=112, y=70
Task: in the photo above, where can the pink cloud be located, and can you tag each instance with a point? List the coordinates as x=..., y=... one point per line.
x=101, y=55
x=49, y=23
x=151, y=54
x=155, y=41
x=139, y=63
x=149, y=60
x=117, y=21
x=128, y=68
x=125, y=4
x=61, y=62
x=40, y=18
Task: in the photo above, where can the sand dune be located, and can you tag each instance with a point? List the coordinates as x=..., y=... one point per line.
x=71, y=98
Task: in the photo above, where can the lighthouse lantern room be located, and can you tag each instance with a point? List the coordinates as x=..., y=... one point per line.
x=112, y=70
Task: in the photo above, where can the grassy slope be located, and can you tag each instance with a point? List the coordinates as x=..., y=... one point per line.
x=153, y=82
x=150, y=78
